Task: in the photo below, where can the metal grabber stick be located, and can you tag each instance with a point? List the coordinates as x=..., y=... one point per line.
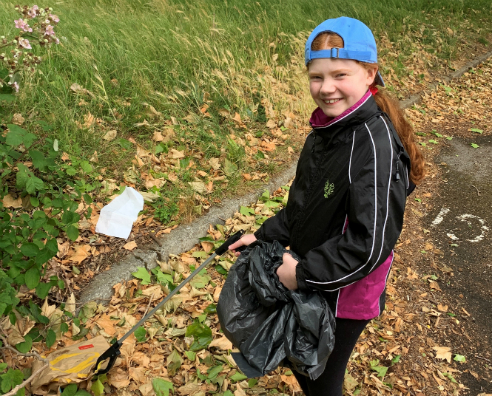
x=114, y=351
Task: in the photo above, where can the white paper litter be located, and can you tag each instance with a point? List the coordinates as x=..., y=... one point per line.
x=116, y=218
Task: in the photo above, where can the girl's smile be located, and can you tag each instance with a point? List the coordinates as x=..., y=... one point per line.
x=338, y=84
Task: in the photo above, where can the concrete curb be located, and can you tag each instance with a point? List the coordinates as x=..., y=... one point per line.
x=185, y=236
x=414, y=99
x=181, y=239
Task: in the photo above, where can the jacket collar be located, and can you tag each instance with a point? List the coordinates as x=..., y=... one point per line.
x=364, y=109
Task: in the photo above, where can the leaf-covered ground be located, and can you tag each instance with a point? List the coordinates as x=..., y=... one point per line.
x=402, y=352
x=406, y=351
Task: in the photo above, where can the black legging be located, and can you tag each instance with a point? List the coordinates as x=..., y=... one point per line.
x=330, y=383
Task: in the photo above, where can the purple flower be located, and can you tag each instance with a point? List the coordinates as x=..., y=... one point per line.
x=22, y=24
x=32, y=12
x=25, y=43
x=49, y=31
x=54, y=18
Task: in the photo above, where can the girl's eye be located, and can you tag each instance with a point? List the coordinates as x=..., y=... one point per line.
x=341, y=75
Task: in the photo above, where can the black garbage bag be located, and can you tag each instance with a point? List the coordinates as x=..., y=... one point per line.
x=270, y=324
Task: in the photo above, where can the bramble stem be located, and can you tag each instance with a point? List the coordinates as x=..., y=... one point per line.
x=33, y=354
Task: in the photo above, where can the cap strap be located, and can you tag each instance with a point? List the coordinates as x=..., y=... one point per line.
x=363, y=56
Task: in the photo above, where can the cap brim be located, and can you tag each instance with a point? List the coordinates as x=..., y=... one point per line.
x=378, y=80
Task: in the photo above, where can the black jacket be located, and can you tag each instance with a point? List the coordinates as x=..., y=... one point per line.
x=352, y=174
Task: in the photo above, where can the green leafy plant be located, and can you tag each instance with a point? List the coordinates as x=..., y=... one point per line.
x=201, y=333
x=39, y=197
x=237, y=376
x=165, y=211
x=141, y=334
x=162, y=387
x=459, y=358
x=382, y=370
x=142, y=274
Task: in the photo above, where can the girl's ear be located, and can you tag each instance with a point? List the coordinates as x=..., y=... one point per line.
x=371, y=74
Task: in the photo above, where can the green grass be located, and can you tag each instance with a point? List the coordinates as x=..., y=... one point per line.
x=178, y=55
x=171, y=53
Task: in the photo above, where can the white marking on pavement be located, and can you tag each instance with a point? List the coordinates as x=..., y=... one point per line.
x=484, y=228
x=440, y=216
x=452, y=236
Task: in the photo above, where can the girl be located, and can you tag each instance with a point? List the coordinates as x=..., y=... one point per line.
x=345, y=208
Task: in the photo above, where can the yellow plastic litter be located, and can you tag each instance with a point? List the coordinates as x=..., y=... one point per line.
x=68, y=365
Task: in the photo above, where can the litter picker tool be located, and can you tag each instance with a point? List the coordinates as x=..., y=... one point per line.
x=114, y=351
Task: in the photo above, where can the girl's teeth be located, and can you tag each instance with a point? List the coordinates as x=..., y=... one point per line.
x=332, y=101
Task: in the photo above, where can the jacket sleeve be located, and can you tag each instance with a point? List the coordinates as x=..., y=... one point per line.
x=375, y=207
x=275, y=229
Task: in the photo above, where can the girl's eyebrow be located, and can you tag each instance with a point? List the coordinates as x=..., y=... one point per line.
x=340, y=71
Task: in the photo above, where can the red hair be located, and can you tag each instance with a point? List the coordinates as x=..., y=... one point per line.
x=386, y=103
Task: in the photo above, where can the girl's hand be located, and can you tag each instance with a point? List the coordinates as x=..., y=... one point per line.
x=245, y=240
x=287, y=272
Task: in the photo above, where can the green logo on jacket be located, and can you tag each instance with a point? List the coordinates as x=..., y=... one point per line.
x=329, y=188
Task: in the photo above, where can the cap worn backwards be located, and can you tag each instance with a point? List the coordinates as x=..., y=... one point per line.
x=358, y=42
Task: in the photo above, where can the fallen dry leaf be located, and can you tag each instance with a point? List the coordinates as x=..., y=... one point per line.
x=221, y=343
x=138, y=374
x=154, y=183
x=155, y=291
x=70, y=304
x=239, y=392
x=130, y=245
x=81, y=252
x=63, y=249
x=94, y=157
x=140, y=359
x=214, y=163
x=176, y=154
x=110, y=135
x=199, y=187
x=9, y=202
x=217, y=293
x=291, y=381
x=443, y=353
x=158, y=136
x=119, y=379
x=105, y=323
x=18, y=119
x=268, y=146
x=207, y=246
x=189, y=389
x=142, y=152
x=146, y=389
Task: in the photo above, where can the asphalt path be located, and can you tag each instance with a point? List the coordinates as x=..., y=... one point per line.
x=460, y=224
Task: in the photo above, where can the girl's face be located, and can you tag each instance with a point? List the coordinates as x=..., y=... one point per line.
x=338, y=84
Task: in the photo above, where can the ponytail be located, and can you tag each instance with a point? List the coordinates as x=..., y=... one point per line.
x=386, y=103
x=391, y=106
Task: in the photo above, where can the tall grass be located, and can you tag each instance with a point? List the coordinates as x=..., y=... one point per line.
x=177, y=55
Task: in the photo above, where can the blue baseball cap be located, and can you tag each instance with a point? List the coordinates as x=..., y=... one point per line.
x=358, y=42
